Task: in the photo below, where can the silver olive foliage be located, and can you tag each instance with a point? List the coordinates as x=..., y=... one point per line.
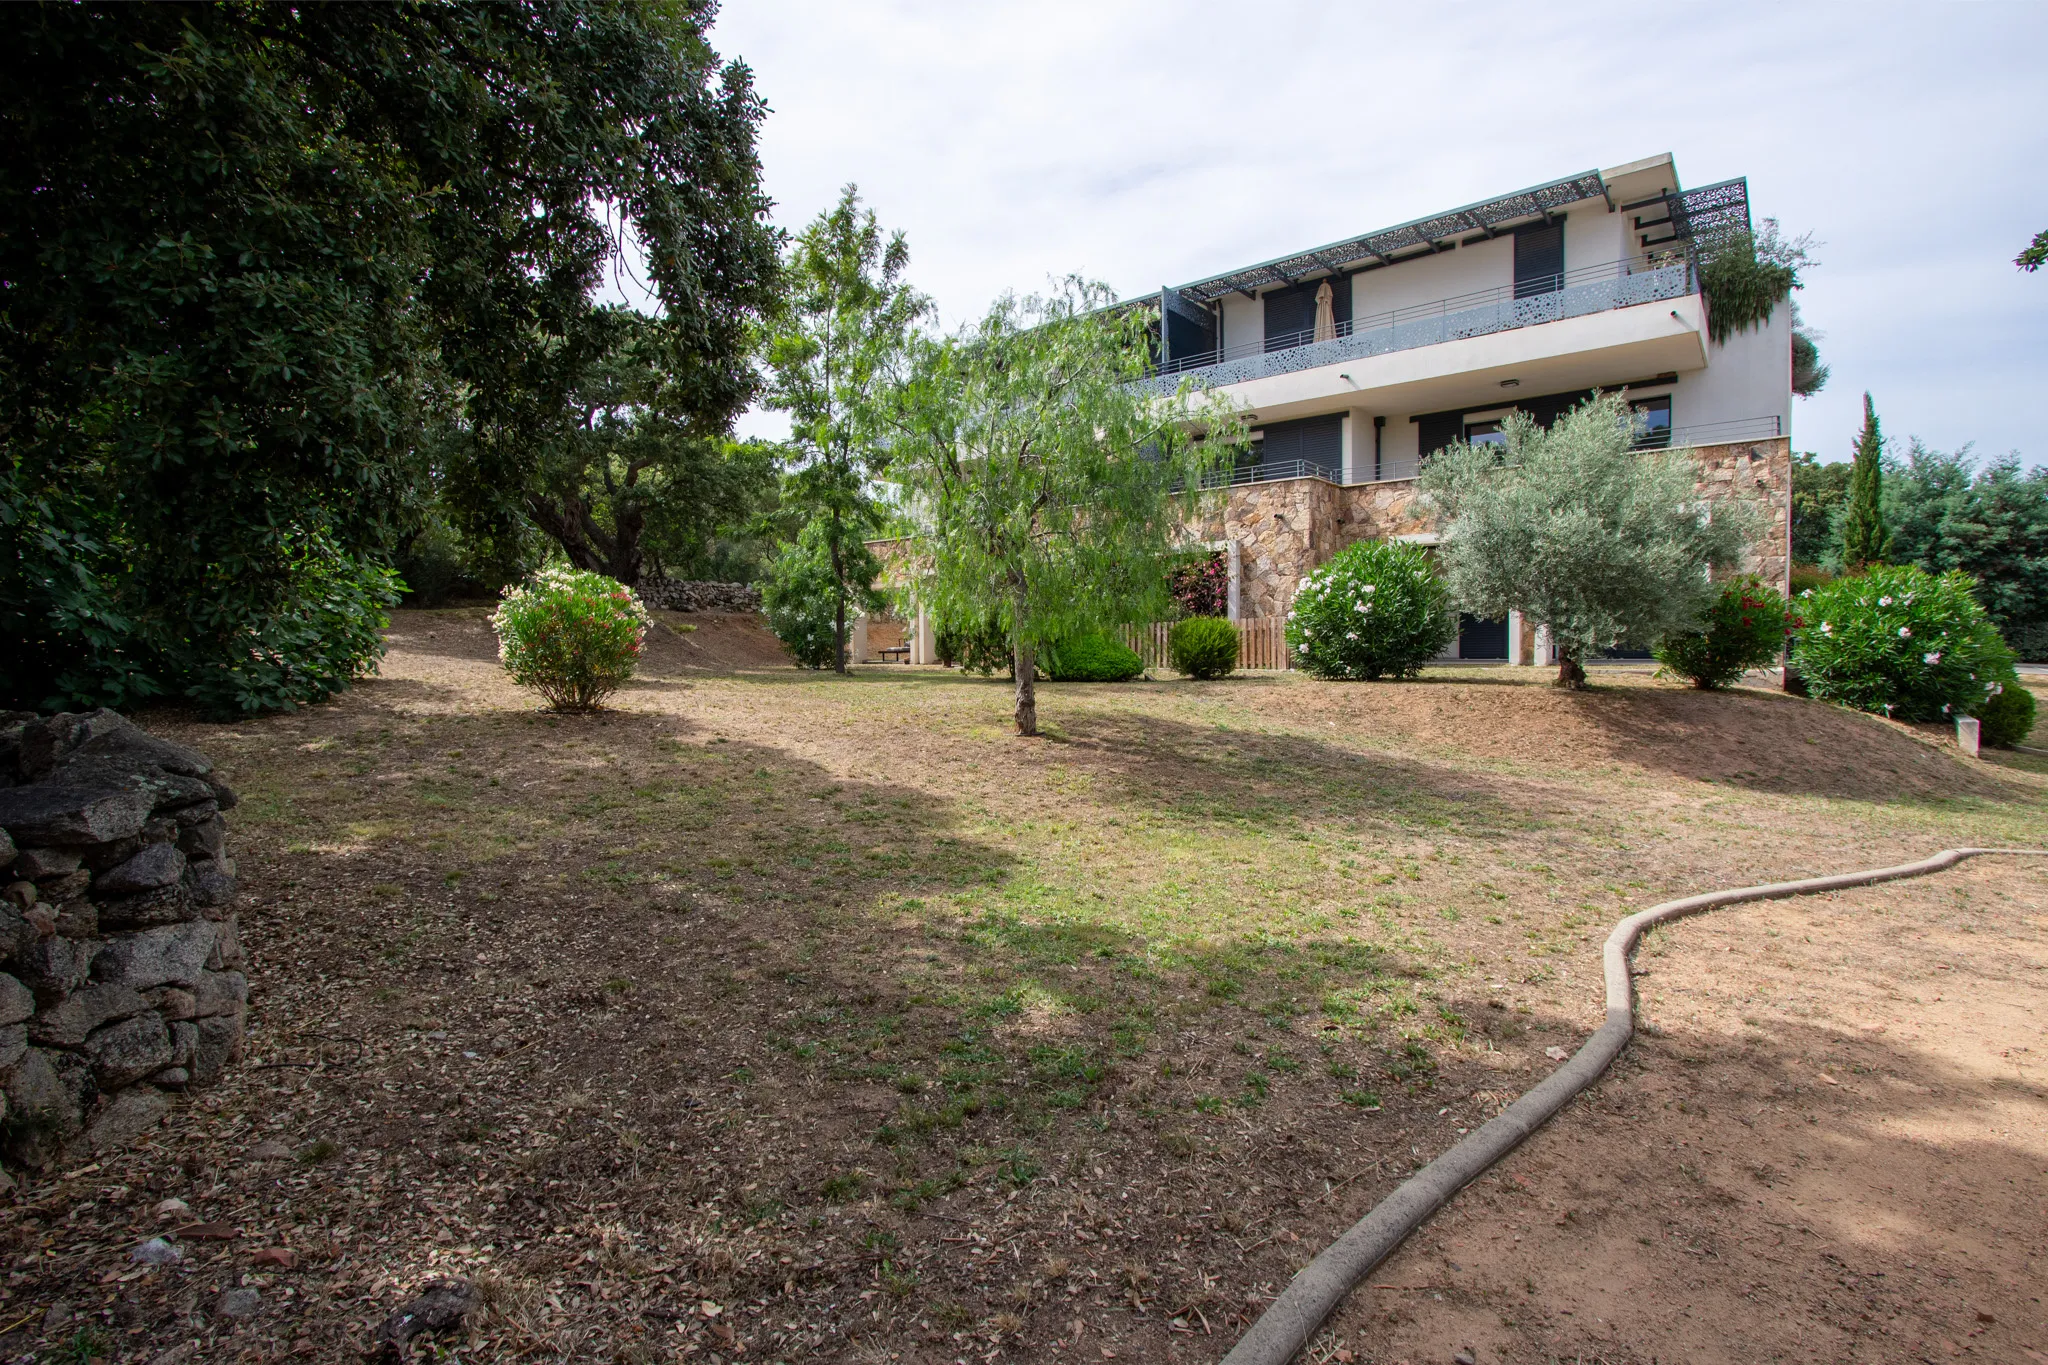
x=1604, y=544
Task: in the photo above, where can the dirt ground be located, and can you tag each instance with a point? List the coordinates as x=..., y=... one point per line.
x=777, y=1017
x=1829, y=1143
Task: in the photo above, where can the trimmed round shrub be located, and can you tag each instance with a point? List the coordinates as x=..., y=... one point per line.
x=1899, y=641
x=1203, y=647
x=1744, y=628
x=1376, y=610
x=2006, y=717
x=571, y=636
x=1091, y=658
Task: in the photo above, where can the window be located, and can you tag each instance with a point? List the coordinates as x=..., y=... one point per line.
x=1485, y=434
x=1652, y=422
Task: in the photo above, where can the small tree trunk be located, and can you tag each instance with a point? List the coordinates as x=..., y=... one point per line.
x=839, y=602
x=1571, y=674
x=1027, y=697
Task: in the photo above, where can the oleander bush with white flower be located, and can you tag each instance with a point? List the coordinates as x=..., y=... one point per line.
x=1902, y=642
x=1376, y=610
x=572, y=636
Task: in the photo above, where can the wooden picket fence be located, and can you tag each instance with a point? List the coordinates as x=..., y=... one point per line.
x=1261, y=642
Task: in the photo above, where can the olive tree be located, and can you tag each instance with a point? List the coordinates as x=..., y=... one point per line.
x=1578, y=531
x=1042, y=485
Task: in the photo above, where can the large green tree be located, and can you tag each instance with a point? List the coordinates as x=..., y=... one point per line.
x=1946, y=511
x=1603, y=544
x=1044, y=488
x=629, y=470
x=834, y=350
x=249, y=250
x=1863, y=537
x=1817, y=490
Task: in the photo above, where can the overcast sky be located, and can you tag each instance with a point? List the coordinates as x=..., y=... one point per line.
x=1150, y=144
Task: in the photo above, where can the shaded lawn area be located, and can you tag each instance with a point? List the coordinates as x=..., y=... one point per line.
x=824, y=1018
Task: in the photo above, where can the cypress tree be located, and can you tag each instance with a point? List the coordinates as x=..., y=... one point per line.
x=1864, y=537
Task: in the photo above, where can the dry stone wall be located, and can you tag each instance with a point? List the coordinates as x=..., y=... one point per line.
x=121, y=977
x=676, y=595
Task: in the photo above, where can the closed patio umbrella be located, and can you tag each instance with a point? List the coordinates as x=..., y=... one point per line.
x=1326, y=313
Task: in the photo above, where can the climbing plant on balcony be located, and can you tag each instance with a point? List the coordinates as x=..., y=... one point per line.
x=1745, y=275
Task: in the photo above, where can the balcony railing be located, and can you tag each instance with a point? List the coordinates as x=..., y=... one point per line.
x=1713, y=433
x=1577, y=293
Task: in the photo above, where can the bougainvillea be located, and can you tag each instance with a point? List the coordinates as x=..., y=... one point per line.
x=1744, y=628
x=1201, y=588
x=571, y=636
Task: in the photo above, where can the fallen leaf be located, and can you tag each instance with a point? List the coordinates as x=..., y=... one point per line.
x=1556, y=1054
x=281, y=1257
x=1829, y=1079
x=206, y=1232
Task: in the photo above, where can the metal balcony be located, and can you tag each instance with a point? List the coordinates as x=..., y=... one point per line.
x=1576, y=293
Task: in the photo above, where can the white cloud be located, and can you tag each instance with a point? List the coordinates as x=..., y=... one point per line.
x=1149, y=144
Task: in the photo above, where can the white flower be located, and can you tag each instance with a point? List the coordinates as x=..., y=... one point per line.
x=1933, y=658
x=1905, y=632
x=1994, y=689
x=1827, y=627
x=1290, y=616
x=1884, y=601
x=1303, y=649
x=1369, y=588
x=1352, y=635
x=1358, y=606
x=1807, y=593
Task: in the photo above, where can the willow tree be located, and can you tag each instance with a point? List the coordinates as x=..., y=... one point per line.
x=1573, y=528
x=1044, y=486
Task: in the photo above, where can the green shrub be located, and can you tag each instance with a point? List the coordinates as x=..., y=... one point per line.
x=1900, y=641
x=1377, y=609
x=801, y=598
x=2006, y=717
x=983, y=649
x=1203, y=647
x=1744, y=628
x=1091, y=658
x=571, y=636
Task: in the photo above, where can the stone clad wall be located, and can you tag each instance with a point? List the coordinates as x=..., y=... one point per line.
x=1760, y=471
x=671, y=594
x=120, y=971
x=1288, y=527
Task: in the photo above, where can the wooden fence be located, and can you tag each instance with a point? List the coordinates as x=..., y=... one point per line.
x=1261, y=642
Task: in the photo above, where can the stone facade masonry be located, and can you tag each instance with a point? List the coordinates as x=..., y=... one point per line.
x=1286, y=528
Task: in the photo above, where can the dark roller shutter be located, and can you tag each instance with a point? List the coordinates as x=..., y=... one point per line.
x=1312, y=441
x=1539, y=260
x=1290, y=318
x=1438, y=430
x=1291, y=312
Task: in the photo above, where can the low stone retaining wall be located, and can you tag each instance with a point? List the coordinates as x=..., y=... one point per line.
x=674, y=595
x=122, y=977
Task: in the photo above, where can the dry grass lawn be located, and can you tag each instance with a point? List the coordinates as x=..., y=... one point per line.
x=778, y=1017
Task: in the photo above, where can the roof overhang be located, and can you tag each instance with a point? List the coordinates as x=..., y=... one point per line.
x=1420, y=237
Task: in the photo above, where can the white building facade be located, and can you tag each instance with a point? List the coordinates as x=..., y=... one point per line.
x=1358, y=359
